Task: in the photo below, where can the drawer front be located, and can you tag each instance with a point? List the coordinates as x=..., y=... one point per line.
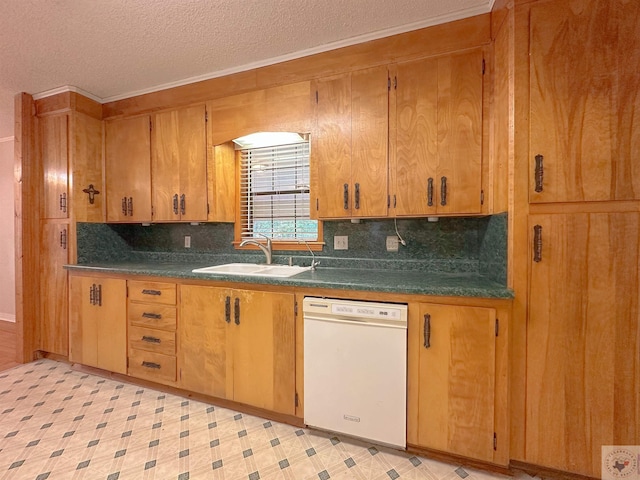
x=151, y=340
x=152, y=366
x=152, y=292
x=152, y=315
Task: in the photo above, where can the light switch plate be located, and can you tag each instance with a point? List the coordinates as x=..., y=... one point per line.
x=341, y=242
x=392, y=244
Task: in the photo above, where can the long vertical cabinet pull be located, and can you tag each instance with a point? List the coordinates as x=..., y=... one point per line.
x=130, y=207
x=357, y=196
x=443, y=191
x=124, y=206
x=63, y=202
x=427, y=330
x=183, y=204
x=92, y=294
x=236, y=311
x=63, y=239
x=99, y=295
x=430, y=192
x=539, y=173
x=227, y=309
x=175, y=204
x=345, y=196
x=537, y=243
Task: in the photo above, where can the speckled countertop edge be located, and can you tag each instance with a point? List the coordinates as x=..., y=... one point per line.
x=387, y=281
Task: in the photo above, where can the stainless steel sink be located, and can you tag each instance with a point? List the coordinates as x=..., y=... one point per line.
x=253, y=269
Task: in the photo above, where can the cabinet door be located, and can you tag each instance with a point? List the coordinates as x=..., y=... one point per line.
x=83, y=333
x=451, y=387
x=203, y=341
x=87, y=167
x=221, y=181
x=369, y=142
x=179, y=165
x=585, y=107
x=264, y=350
x=331, y=148
x=128, y=169
x=54, y=255
x=54, y=152
x=459, y=180
x=583, y=339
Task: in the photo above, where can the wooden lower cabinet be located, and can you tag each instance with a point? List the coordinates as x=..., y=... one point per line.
x=583, y=339
x=98, y=322
x=238, y=345
x=452, y=380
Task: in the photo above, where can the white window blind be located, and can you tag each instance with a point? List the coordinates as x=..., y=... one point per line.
x=274, y=198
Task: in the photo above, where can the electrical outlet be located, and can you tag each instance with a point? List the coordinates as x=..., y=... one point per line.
x=341, y=242
x=187, y=241
x=392, y=244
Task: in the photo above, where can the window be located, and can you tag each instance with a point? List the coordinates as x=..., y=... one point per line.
x=274, y=193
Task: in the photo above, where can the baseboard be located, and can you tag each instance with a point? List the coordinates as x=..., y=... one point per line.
x=7, y=317
x=6, y=326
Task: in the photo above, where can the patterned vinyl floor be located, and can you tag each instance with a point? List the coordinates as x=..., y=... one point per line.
x=57, y=423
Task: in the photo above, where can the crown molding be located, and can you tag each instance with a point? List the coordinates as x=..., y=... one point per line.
x=64, y=89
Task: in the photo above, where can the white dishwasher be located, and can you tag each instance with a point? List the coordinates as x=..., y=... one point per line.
x=355, y=368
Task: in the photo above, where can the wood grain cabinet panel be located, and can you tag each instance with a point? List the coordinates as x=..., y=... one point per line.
x=452, y=379
x=54, y=152
x=585, y=106
x=128, y=169
x=179, y=165
x=436, y=166
x=238, y=345
x=87, y=165
x=97, y=322
x=583, y=339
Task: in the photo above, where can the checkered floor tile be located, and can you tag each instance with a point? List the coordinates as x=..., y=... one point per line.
x=57, y=423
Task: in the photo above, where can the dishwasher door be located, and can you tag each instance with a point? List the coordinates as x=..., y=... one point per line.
x=355, y=369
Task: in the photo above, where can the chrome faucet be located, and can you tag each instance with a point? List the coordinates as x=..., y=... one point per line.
x=314, y=264
x=265, y=249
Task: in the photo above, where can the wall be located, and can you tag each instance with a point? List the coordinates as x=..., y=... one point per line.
x=7, y=246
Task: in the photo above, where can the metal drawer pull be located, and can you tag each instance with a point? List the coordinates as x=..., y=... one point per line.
x=539, y=173
x=357, y=199
x=175, y=204
x=345, y=196
x=146, y=338
x=183, y=204
x=155, y=316
x=151, y=292
x=227, y=309
x=151, y=365
x=236, y=311
x=443, y=191
x=430, y=192
x=537, y=243
x=427, y=330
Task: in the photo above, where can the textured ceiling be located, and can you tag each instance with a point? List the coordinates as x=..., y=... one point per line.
x=116, y=48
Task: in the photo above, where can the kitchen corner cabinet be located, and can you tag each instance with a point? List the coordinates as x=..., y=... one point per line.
x=436, y=128
x=238, y=345
x=54, y=152
x=452, y=379
x=54, y=331
x=583, y=338
x=128, y=169
x=585, y=107
x=86, y=169
x=350, y=145
x=97, y=322
x=179, y=165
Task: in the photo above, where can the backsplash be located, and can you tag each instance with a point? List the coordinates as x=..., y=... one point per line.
x=455, y=245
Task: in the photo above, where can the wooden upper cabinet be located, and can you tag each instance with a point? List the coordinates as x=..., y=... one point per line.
x=436, y=133
x=585, y=107
x=54, y=151
x=350, y=145
x=179, y=165
x=128, y=169
x=583, y=339
x=86, y=169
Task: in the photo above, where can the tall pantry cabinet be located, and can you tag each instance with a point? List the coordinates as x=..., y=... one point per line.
x=69, y=133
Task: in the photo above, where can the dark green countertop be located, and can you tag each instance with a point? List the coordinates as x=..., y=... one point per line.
x=371, y=280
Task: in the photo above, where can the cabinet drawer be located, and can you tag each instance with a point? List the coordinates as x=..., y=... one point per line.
x=152, y=315
x=152, y=366
x=158, y=341
x=152, y=292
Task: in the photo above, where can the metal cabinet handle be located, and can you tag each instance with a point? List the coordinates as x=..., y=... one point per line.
x=124, y=206
x=155, y=316
x=151, y=365
x=130, y=207
x=63, y=202
x=175, y=204
x=92, y=294
x=148, y=339
x=151, y=292
x=357, y=199
x=345, y=196
x=183, y=204
x=539, y=173
x=427, y=330
x=443, y=191
x=430, y=192
x=537, y=243
x=99, y=295
x=236, y=311
x=227, y=309
x=63, y=238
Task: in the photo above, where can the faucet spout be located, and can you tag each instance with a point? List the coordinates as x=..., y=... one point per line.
x=266, y=249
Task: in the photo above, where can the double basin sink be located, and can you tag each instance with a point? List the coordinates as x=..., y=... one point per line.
x=253, y=269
